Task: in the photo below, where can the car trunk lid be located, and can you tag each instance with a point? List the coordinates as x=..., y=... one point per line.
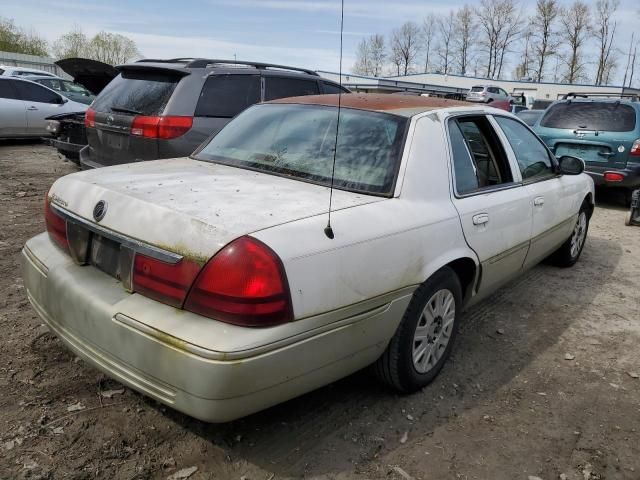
x=189, y=207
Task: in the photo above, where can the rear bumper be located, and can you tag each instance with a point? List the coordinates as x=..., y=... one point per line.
x=215, y=372
x=631, y=175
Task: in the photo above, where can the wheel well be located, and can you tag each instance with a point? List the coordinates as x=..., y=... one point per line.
x=465, y=269
x=590, y=203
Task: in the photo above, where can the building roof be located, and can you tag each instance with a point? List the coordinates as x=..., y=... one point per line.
x=405, y=105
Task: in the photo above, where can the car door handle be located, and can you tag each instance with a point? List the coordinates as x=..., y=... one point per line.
x=538, y=201
x=32, y=108
x=480, y=219
x=606, y=154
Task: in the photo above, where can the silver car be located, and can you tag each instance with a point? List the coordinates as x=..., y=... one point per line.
x=24, y=106
x=487, y=94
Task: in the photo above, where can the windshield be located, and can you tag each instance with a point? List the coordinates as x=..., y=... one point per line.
x=298, y=141
x=75, y=88
x=605, y=116
x=477, y=89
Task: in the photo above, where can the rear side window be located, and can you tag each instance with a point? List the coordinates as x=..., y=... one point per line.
x=7, y=91
x=227, y=95
x=281, y=87
x=35, y=93
x=606, y=116
x=138, y=93
x=332, y=88
x=479, y=160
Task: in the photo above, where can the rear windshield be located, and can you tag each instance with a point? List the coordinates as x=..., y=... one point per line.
x=138, y=93
x=477, y=89
x=298, y=141
x=605, y=116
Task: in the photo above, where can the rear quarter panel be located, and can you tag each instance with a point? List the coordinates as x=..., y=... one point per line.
x=380, y=247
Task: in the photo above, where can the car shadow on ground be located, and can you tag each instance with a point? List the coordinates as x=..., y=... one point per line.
x=355, y=419
x=611, y=199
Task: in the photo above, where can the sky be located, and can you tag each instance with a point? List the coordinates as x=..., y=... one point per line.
x=303, y=33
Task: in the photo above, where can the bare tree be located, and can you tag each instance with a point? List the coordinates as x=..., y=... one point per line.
x=446, y=30
x=370, y=56
x=429, y=33
x=523, y=70
x=404, y=47
x=543, y=28
x=71, y=45
x=363, y=58
x=604, y=32
x=377, y=49
x=464, y=37
x=511, y=31
x=576, y=25
x=500, y=25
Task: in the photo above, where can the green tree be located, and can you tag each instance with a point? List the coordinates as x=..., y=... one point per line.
x=17, y=40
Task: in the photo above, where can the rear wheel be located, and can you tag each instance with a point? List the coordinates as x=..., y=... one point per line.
x=569, y=253
x=425, y=336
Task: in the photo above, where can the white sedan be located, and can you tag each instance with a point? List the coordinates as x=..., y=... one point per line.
x=212, y=284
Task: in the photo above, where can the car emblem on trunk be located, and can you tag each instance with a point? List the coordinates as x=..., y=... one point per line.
x=110, y=119
x=100, y=210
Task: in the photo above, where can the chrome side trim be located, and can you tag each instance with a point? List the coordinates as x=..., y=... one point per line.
x=37, y=263
x=135, y=245
x=573, y=219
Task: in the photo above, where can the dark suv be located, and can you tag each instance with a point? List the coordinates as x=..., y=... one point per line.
x=166, y=108
x=604, y=132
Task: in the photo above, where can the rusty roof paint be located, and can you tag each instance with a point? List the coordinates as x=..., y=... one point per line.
x=406, y=105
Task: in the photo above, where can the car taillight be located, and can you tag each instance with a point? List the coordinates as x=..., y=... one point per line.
x=165, y=282
x=56, y=226
x=613, y=177
x=160, y=127
x=90, y=118
x=244, y=284
x=635, y=148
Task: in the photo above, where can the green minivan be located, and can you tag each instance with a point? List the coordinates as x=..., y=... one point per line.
x=605, y=133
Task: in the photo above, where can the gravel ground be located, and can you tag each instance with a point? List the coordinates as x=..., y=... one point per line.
x=543, y=382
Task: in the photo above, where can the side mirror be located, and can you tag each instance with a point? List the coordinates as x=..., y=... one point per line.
x=59, y=100
x=568, y=165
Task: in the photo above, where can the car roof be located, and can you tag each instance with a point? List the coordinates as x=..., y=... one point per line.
x=404, y=105
x=186, y=65
x=623, y=101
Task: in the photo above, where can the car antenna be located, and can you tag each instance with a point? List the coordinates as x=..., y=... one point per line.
x=328, y=231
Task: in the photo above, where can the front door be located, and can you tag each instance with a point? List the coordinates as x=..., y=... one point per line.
x=40, y=103
x=494, y=207
x=550, y=195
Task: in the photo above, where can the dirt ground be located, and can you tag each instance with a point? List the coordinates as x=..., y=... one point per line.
x=543, y=382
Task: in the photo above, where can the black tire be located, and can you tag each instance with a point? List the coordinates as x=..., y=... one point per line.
x=566, y=255
x=396, y=367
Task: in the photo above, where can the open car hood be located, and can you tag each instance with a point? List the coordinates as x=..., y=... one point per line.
x=91, y=74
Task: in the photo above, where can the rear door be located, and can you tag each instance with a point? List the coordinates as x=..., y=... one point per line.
x=600, y=133
x=40, y=103
x=13, y=113
x=494, y=207
x=134, y=93
x=223, y=97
